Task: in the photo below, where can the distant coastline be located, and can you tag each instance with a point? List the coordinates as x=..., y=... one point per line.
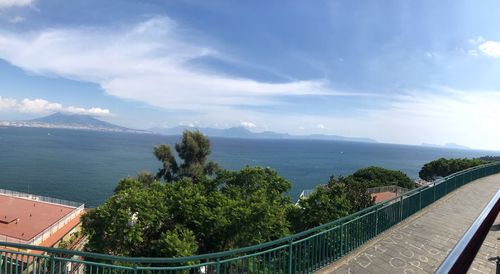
x=70, y=121
x=89, y=123
x=22, y=124
x=85, y=122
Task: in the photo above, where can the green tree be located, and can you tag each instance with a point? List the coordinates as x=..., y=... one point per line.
x=377, y=176
x=443, y=167
x=259, y=204
x=193, y=149
x=327, y=203
x=128, y=222
x=203, y=209
x=178, y=242
x=357, y=195
x=144, y=179
x=184, y=217
x=169, y=169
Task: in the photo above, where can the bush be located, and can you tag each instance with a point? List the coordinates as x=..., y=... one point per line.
x=377, y=176
x=443, y=167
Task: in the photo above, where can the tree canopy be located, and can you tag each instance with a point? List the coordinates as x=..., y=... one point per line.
x=377, y=176
x=328, y=202
x=338, y=198
x=193, y=206
x=195, y=211
x=443, y=167
x=193, y=150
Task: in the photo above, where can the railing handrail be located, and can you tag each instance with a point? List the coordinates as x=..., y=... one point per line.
x=39, y=198
x=464, y=252
x=284, y=240
x=63, y=219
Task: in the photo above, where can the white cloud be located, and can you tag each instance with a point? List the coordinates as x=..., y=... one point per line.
x=7, y=103
x=439, y=115
x=248, y=124
x=490, y=48
x=15, y=3
x=151, y=62
x=42, y=106
x=320, y=126
x=477, y=40
x=38, y=106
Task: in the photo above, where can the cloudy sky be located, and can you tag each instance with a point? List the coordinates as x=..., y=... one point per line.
x=398, y=71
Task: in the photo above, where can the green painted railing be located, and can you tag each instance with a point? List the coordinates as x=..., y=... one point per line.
x=303, y=252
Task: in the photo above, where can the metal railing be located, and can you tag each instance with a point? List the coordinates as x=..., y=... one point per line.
x=393, y=188
x=461, y=257
x=39, y=198
x=303, y=252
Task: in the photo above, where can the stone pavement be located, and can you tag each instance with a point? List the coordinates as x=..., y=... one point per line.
x=422, y=242
x=484, y=263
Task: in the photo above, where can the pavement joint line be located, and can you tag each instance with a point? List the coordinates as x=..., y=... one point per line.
x=448, y=240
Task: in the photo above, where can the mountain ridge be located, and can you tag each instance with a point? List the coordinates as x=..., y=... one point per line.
x=244, y=133
x=70, y=121
x=87, y=122
x=59, y=118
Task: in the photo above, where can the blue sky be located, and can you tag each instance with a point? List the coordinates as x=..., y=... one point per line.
x=398, y=71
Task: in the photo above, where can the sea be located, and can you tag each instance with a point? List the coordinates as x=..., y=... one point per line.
x=85, y=166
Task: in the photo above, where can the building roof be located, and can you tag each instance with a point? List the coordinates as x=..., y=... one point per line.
x=383, y=196
x=24, y=219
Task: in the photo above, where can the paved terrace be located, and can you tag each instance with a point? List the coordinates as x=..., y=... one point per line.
x=422, y=242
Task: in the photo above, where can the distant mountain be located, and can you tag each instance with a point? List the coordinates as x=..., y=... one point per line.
x=448, y=145
x=76, y=120
x=69, y=121
x=241, y=132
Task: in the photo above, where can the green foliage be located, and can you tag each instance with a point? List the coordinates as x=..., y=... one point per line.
x=202, y=209
x=443, y=167
x=357, y=195
x=169, y=168
x=193, y=149
x=205, y=209
x=128, y=222
x=325, y=204
x=234, y=209
x=178, y=242
x=260, y=204
x=377, y=176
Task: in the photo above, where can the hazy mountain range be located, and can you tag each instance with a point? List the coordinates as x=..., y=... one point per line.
x=85, y=122
x=241, y=132
x=69, y=121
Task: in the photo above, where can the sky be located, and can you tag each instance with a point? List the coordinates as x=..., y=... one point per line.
x=398, y=71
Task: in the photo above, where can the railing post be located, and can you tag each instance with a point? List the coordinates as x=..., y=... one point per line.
x=420, y=199
x=401, y=208
x=376, y=221
x=290, y=257
x=341, y=239
x=217, y=268
x=434, y=190
x=52, y=263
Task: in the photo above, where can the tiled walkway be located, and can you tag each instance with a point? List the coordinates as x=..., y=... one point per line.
x=422, y=242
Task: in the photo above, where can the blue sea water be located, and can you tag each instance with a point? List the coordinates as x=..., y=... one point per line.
x=85, y=166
